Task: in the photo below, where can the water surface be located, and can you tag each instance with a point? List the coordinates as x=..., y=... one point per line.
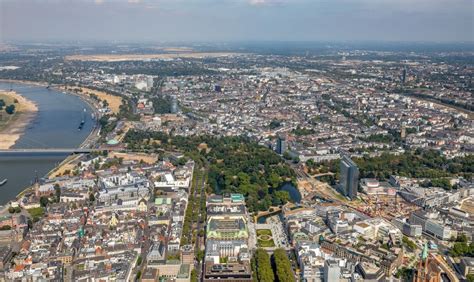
x=55, y=126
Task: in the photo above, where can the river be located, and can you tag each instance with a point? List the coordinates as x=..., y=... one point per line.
x=55, y=126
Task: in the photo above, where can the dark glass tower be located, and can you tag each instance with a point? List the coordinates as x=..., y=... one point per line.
x=349, y=181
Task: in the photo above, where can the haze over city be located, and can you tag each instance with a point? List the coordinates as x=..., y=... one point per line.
x=237, y=20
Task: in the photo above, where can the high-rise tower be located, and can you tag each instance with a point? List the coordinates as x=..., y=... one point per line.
x=349, y=180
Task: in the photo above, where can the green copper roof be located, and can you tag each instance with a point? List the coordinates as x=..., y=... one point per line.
x=424, y=254
x=112, y=142
x=237, y=197
x=80, y=233
x=162, y=201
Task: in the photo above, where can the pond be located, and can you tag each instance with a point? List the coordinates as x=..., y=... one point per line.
x=263, y=219
x=292, y=190
x=294, y=195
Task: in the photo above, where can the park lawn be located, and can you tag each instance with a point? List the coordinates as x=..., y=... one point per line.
x=36, y=212
x=265, y=243
x=264, y=232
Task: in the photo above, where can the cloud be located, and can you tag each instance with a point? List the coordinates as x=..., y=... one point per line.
x=257, y=2
x=265, y=2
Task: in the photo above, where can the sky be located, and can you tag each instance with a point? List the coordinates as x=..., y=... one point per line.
x=237, y=20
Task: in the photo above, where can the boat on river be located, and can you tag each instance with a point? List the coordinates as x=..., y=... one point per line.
x=3, y=181
x=83, y=120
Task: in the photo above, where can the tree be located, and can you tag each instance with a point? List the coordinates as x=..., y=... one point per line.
x=462, y=249
x=274, y=124
x=44, y=201
x=405, y=274
x=11, y=210
x=263, y=266
x=235, y=164
x=182, y=161
x=91, y=197
x=162, y=104
x=274, y=180
x=409, y=243
x=194, y=277
x=139, y=260
x=6, y=227
x=461, y=238
x=282, y=197
x=200, y=255
x=287, y=155
x=282, y=265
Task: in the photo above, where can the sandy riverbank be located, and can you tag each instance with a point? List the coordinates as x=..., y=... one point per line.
x=114, y=101
x=67, y=165
x=14, y=127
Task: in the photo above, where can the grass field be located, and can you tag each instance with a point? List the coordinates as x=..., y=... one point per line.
x=36, y=212
x=264, y=238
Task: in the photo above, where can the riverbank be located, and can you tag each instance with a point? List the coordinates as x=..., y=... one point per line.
x=65, y=166
x=36, y=83
x=92, y=138
x=60, y=111
x=12, y=127
x=114, y=102
x=85, y=98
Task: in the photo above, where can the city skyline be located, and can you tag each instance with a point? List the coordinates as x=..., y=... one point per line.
x=237, y=140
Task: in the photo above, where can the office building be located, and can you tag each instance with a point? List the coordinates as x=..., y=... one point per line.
x=230, y=272
x=404, y=75
x=174, y=105
x=431, y=224
x=467, y=266
x=349, y=178
x=281, y=146
x=403, y=131
x=332, y=271
x=227, y=255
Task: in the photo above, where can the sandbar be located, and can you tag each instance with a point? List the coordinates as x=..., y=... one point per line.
x=13, y=126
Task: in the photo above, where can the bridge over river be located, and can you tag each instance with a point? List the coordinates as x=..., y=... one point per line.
x=40, y=151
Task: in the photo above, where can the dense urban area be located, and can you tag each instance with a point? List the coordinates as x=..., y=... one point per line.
x=251, y=164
